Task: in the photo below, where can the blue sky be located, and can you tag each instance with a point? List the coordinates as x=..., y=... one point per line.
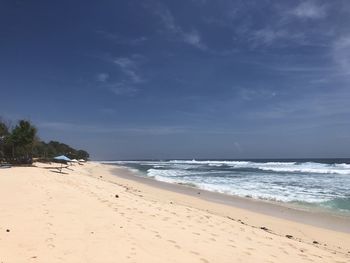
x=180, y=79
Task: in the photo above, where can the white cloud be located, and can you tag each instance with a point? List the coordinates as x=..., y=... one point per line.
x=341, y=54
x=309, y=9
x=267, y=35
x=121, y=40
x=124, y=62
x=192, y=38
x=129, y=83
x=78, y=127
x=276, y=35
x=256, y=94
x=123, y=89
x=129, y=67
x=167, y=19
x=102, y=77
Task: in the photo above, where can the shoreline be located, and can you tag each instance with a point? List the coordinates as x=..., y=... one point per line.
x=308, y=186
x=318, y=218
x=301, y=226
x=99, y=213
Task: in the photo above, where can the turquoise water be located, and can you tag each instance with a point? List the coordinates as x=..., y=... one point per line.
x=322, y=184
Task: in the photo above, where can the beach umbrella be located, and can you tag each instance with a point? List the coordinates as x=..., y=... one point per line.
x=62, y=158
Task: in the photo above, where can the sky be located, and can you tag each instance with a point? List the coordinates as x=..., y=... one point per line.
x=152, y=79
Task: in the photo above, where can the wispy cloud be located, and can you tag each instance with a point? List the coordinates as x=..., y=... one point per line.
x=122, y=40
x=129, y=79
x=140, y=130
x=191, y=37
x=122, y=88
x=309, y=9
x=129, y=67
x=268, y=36
x=102, y=77
x=308, y=107
x=341, y=54
x=167, y=18
x=255, y=94
x=286, y=26
x=147, y=130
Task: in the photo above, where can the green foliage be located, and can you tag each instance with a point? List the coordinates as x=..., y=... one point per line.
x=54, y=148
x=4, y=132
x=22, y=138
x=21, y=144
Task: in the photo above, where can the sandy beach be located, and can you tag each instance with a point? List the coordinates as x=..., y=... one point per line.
x=99, y=213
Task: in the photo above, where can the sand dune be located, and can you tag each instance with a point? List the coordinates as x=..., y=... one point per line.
x=90, y=215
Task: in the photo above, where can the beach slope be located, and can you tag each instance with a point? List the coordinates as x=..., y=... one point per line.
x=87, y=214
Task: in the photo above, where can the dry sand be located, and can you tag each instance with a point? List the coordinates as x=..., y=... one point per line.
x=46, y=216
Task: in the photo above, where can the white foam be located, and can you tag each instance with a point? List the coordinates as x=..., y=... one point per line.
x=167, y=173
x=281, y=181
x=293, y=167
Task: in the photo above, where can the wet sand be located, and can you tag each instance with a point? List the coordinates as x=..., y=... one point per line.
x=317, y=218
x=90, y=214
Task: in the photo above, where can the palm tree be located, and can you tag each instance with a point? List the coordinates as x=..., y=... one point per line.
x=22, y=139
x=4, y=132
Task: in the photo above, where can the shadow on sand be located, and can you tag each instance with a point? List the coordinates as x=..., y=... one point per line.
x=58, y=172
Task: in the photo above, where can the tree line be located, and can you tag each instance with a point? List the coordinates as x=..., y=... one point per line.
x=19, y=144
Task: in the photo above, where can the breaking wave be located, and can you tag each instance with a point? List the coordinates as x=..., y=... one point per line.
x=324, y=184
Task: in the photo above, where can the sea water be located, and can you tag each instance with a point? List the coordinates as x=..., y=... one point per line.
x=321, y=184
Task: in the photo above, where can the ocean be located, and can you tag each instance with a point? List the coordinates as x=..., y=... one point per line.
x=306, y=183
